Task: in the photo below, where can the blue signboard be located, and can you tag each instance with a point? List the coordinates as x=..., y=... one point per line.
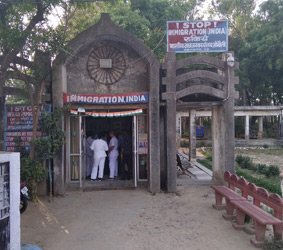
x=19, y=123
x=197, y=36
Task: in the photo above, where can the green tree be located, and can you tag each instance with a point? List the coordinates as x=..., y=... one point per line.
x=146, y=19
x=262, y=57
x=22, y=30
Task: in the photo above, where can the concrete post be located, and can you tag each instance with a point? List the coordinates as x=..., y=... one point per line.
x=170, y=97
x=260, y=127
x=281, y=125
x=154, y=160
x=218, y=144
x=193, y=138
x=229, y=131
x=247, y=127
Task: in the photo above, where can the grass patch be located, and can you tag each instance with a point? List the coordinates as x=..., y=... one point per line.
x=206, y=163
x=272, y=184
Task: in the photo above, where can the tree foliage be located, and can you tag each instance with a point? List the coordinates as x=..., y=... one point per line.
x=256, y=38
x=146, y=19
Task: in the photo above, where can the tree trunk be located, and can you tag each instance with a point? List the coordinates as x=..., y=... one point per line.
x=36, y=108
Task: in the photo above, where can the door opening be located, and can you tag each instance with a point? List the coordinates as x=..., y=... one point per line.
x=82, y=127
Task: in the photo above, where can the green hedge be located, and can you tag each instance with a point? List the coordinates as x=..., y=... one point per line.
x=246, y=162
x=272, y=184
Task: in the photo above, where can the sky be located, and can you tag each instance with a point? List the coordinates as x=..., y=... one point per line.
x=54, y=19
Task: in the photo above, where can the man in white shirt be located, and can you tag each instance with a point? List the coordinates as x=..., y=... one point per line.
x=99, y=147
x=113, y=155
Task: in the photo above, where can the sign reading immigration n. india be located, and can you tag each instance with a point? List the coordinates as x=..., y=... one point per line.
x=197, y=36
x=107, y=99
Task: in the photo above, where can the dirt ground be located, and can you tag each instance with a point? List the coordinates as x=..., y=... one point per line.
x=268, y=156
x=131, y=220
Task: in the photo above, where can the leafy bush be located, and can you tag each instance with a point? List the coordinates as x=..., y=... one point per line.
x=239, y=159
x=274, y=170
x=33, y=172
x=261, y=168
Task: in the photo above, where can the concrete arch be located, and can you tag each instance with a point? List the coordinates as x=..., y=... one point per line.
x=207, y=60
x=200, y=90
x=200, y=74
x=106, y=29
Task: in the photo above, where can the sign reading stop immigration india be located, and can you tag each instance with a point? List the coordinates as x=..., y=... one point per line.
x=197, y=36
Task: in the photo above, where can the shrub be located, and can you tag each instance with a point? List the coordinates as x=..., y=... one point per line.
x=239, y=159
x=274, y=170
x=33, y=172
x=246, y=162
x=261, y=168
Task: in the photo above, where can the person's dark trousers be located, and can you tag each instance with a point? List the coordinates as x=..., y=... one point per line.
x=127, y=159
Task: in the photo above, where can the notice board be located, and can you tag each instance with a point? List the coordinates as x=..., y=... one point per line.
x=19, y=123
x=197, y=36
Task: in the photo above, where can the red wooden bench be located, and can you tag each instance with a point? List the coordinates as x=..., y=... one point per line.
x=261, y=218
x=229, y=194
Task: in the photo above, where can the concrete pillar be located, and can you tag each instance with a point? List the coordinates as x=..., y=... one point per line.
x=247, y=127
x=218, y=144
x=193, y=138
x=163, y=151
x=229, y=121
x=281, y=125
x=260, y=127
x=170, y=97
x=154, y=140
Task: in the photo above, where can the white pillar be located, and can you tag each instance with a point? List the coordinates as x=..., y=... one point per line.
x=260, y=127
x=247, y=128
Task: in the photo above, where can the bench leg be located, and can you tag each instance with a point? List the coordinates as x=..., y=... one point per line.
x=259, y=235
x=240, y=220
x=277, y=230
x=229, y=210
x=218, y=202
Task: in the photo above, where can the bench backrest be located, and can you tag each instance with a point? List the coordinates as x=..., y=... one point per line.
x=261, y=195
x=234, y=181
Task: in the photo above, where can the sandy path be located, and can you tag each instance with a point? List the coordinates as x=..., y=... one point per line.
x=131, y=220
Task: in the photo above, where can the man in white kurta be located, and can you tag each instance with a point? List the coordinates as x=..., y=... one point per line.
x=99, y=147
x=113, y=155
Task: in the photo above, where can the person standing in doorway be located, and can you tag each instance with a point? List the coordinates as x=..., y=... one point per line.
x=126, y=156
x=113, y=155
x=99, y=147
x=89, y=156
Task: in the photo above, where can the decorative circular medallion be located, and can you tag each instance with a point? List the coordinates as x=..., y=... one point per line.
x=106, y=64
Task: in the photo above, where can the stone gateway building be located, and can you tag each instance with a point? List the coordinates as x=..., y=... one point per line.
x=113, y=82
